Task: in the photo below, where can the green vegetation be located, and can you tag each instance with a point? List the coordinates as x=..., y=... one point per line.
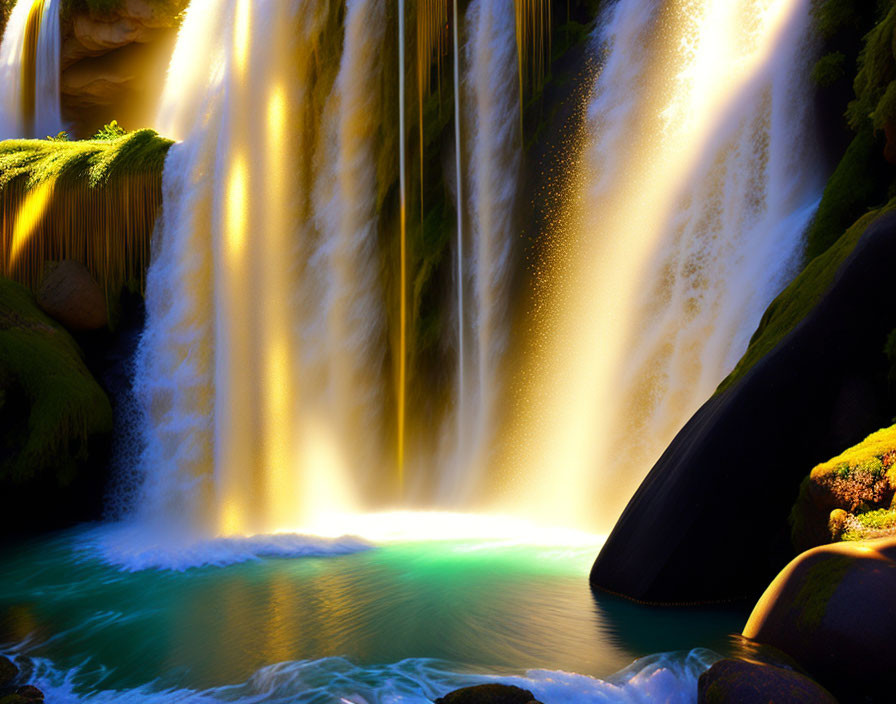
x=97, y=162
x=859, y=181
x=863, y=185
x=104, y=199
x=829, y=69
x=851, y=495
x=820, y=582
x=795, y=302
x=51, y=407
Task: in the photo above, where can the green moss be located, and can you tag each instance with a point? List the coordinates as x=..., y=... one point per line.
x=818, y=588
x=98, y=161
x=829, y=69
x=795, y=302
x=877, y=68
x=50, y=404
x=858, y=183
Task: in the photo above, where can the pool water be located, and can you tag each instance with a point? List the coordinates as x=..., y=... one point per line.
x=395, y=623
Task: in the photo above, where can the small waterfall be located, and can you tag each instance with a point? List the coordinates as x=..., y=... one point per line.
x=698, y=177
x=494, y=156
x=29, y=71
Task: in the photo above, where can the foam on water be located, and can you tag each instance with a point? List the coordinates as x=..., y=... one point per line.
x=131, y=547
x=127, y=547
x=670, y=678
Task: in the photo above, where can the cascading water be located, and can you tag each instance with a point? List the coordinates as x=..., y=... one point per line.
x=259, y=362
x=697, y=181
x=263, y=368
x=29, y=71
x=494, y=157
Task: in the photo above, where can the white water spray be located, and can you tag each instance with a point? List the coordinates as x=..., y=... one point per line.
x=698, y=183
x=259, y=367
x=494, y=154
x=29, y=71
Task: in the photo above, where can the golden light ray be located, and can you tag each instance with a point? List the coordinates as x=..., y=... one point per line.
x=28, y=218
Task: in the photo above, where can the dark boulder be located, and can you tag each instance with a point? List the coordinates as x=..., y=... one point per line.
x=710, y=521
x=742, y=682
x=69, y=293
x=832, y=610
x=8, y=672
x=488, y=694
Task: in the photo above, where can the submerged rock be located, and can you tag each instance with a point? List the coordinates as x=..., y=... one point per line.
x=70, y=294
x=489, y=694
x=832, y=610
x=742, y=682
x=710, y=521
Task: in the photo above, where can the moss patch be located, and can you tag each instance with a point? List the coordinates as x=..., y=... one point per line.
x=822, y=580
x=51, y=406
x=803, y=293
x=852, y=494
x=97, y=162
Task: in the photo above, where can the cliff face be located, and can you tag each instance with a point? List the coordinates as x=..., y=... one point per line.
x=114, y=57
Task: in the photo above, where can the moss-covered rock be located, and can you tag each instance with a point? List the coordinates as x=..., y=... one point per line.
x=54, y=415
x=832, y=610
x=738, y=463
x=803, y=293
x=849, y=497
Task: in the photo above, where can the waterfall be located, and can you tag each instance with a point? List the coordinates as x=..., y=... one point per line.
x=697, y=179
x=494, y=157
x=460, y=272
x=29, y=71
x=259, y=365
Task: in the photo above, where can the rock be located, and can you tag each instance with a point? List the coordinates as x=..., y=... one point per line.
x=55, y=421
x=69, y=294
x=31, y=693
x=832, y=610
x=14, y=699
x=8, y=672
x=710, y=521
x=741, y=682
x=114, y=62
x=488, y=694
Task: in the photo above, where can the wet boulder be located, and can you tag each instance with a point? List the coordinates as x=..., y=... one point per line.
x=69, y=293
x=710, y=521
x=741, y=682
x=489, y=694
x=832, y=610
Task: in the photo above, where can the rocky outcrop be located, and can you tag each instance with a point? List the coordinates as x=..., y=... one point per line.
x=710, y=521
x=55, y=421
x=489, y=694
x=850, y=497
x=9, y=692
x=740, y=682
x=832, y=610
x=114, y=61
x=70, y=295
